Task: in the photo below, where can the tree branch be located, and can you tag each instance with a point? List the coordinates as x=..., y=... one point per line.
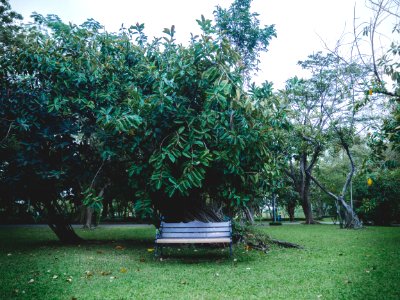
x=291, y=174
x=97, y=173
x=8, y=133
x=352, y=168
x=322, y=187
x=314, y=158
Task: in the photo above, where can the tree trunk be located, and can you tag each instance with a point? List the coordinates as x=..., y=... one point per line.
x=305, y=200
x=302, y=183
x=185, y=209
x=290, y=210
x=60, y=226
x=106, y=206
x=89, y=214
x=347, y=216
x=249, y=215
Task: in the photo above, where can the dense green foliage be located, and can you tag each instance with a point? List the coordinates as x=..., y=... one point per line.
x=168, y=126
x=335, y=264
x=242, y=29
x=379, y=202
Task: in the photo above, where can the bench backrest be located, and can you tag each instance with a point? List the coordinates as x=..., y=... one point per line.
x=195, y=229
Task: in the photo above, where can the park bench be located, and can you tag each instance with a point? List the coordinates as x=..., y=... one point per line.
x=194, y=232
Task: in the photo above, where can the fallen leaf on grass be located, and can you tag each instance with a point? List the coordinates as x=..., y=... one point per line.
x=347, y=281
x=9, y=254
x=118, y=247
x=69, y=279
x=105, y=273
x=31, y=281
x=123, y=270
x=150, y=250
x=183, y=282
x=88, y=274
x=55, y=276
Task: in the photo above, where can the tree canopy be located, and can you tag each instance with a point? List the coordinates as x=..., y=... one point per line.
x=87, y=109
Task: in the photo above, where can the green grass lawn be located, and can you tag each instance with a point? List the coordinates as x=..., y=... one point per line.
x=335, y=264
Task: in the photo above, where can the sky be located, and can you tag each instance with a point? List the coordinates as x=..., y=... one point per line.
x=301, y=25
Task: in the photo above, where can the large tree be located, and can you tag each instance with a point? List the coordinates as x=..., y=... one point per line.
x=323, y=113
x=169, y=126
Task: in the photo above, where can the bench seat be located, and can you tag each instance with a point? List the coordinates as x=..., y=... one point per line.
x=194, y=232
x=194, y=241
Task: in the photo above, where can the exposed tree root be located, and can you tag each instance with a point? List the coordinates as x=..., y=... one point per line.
x=259, y=241
x=286, y=244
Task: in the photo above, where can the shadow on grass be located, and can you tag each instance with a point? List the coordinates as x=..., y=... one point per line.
x=136, y=242
x=196, y=258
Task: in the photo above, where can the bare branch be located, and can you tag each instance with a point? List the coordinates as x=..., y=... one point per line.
x=352, y=168
x=97, y=173
x=322, y=187
x=8, y=133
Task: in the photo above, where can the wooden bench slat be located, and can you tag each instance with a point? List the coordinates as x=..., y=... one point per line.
x=194, y=235
x=193, y=229
x=193, y=241
x=195, y=224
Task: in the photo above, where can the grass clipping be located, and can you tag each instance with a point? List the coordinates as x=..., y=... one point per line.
x=243, y=234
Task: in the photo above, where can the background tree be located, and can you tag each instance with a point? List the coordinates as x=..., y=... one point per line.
x=242, y=28
x=378, y=49
x=323, y=109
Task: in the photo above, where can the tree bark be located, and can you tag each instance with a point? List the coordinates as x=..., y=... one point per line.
x=290, y=210
x=349, y=219
x=305, y=201
x=107, y=203
x=249, y=215
x=346, y=214
x=89, y=214
x=302, y=181
x=60, y=225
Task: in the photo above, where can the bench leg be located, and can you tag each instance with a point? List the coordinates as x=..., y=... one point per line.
x=230, y=249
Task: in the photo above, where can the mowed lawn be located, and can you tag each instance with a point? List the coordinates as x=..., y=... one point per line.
x=119, y=263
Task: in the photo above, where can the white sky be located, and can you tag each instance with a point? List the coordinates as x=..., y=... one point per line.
x=299, y=23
